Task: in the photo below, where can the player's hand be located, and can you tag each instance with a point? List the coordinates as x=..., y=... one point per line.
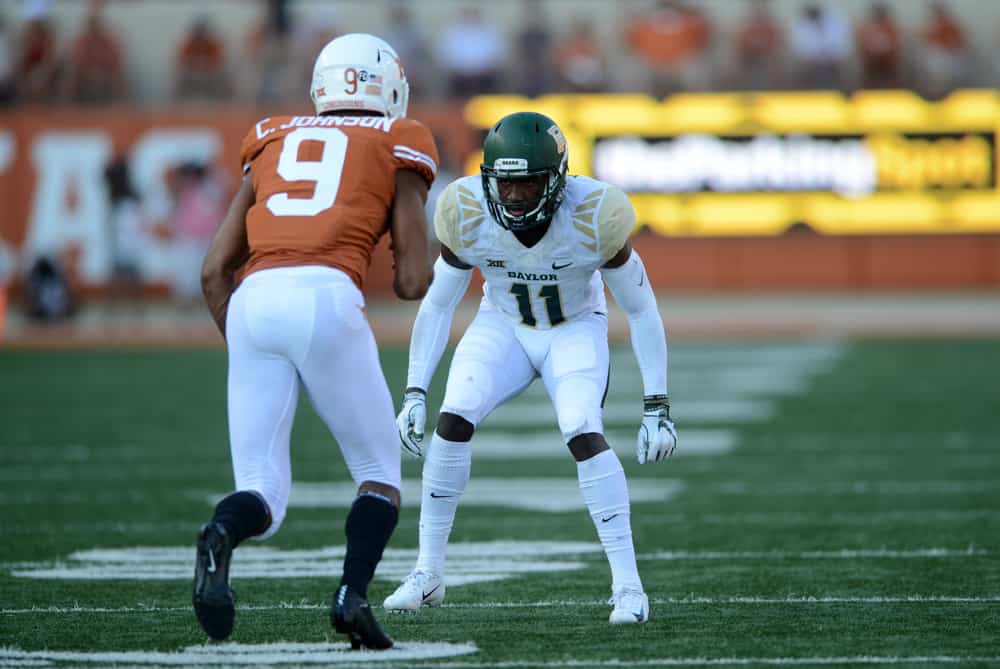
x=411, y=420
x=657, y=435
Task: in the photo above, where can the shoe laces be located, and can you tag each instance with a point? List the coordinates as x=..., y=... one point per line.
x=627, y=598
x=421, y=578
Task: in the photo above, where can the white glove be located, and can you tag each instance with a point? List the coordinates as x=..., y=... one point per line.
x=657, y=435
x=411, y=419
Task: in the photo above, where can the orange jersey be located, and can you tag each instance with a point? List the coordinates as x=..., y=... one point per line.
x=324, y=186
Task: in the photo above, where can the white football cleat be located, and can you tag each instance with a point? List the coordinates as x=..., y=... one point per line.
x=418, y=589
x=631, y=606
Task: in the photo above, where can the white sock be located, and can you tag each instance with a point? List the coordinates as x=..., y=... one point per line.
x=446, y=472
x=602, y=483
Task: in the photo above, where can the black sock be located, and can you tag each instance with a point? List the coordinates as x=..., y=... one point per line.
x=244, y=514
x=369, y=525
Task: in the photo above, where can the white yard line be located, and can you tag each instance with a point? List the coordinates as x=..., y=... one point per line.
x=496, y=492
x=843, y=554
x=697, y=384
x=492, y=445
x=234, y=654
x=472, y=562
x=543, y=604
x=769, y=489
x=552, y=495
x=628, y=412
x=723, y=661
x=779, y=518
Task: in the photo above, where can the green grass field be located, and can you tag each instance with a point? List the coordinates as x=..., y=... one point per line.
x=830, y=503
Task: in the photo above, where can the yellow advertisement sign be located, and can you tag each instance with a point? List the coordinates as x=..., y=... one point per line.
x=756, y=164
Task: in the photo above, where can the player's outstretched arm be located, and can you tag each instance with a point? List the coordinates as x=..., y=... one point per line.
x=626, y=277
x=408, y=228
x=226, y=254
x=427, y=343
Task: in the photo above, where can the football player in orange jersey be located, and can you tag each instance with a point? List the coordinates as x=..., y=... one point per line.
x=282, y=280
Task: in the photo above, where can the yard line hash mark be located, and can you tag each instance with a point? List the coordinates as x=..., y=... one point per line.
x=679, y=601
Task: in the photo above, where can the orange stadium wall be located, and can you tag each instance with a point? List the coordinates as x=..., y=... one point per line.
x=51, y=166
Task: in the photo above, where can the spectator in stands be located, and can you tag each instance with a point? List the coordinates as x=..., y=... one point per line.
x=307, y=41
x=201, y=65
x=472, y=52
x=672, y=40
x=880, y=46
x=128, y=234
x=760, y=42
x=405, y=35
x=533, y=52
x=579, y=61
x=38, y=66
x=96, y=71
x=266, y=75
x=7, y=88
x=199, y=205
x=821, y=47
x=945, y=58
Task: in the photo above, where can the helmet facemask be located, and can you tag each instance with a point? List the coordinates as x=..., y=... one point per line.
x=523, y=213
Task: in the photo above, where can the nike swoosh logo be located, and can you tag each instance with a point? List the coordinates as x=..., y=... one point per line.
x=558, y=267
x=432, y=591
x=604, y=520
x=211, y=562
x=436, y=496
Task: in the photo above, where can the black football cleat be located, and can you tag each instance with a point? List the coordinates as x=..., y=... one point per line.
x=214, y=601
x=351, y=615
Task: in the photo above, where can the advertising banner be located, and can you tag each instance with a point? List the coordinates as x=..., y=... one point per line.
x=759, y=164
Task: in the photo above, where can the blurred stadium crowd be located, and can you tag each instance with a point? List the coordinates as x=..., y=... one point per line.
x=544, y=46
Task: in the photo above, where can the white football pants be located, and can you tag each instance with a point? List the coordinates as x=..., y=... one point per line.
x=304, y=323
x=496, y=359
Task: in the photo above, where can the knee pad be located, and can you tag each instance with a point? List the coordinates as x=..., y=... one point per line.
x=469, y=390
x=578, y=407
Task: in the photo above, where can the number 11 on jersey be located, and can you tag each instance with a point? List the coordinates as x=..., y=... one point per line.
x=550, y=295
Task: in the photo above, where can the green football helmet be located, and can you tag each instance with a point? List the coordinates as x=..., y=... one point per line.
x=521, y=147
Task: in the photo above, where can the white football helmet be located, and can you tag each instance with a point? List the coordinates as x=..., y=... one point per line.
x=359, y=71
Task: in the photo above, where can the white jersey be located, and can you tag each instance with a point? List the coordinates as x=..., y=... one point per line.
x=555, y=280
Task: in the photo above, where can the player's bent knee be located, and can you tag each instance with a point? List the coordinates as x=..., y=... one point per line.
x=469, y=389
x=383, y=490
x=585, y=446
x=578, y=407
x=453, y=427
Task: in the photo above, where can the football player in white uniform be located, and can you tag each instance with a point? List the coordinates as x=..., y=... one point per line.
x=543, y=241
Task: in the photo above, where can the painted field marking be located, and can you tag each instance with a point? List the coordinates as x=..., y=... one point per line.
x=842, y=554
x=236, y=654
x=552, y=495
x=850, y=488
x=746, y=381
x=629, y=412
x=845, y=442
x=491, y=445
x=487, y=444
x=675, y=601
x=723, y=661
x=472, y=562
x=534, y=494
x=764, y=518
x=496, y=492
